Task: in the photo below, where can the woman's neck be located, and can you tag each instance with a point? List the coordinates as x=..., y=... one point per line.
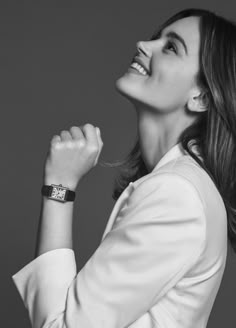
x=157, y=134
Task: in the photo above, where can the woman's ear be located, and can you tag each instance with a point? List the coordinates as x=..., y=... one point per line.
x=198, y=103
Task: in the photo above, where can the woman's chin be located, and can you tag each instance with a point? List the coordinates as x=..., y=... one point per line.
x=126, y=87
x=120, y=86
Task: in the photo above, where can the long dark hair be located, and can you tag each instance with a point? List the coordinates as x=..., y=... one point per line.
x=214, y=130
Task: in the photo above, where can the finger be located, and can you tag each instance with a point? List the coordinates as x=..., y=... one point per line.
x=100, y=142
x=55, y=139
x=65, y=135
x=90, y=134
x=76, y=132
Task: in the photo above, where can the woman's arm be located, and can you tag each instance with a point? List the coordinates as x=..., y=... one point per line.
x=71, y=156
x=55, y=226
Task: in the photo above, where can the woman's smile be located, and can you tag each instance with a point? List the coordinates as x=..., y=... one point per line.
x=137, y=69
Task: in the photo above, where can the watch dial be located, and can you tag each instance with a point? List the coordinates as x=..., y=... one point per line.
x=58, y=193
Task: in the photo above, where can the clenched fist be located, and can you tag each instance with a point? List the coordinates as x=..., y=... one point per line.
x=72, y=154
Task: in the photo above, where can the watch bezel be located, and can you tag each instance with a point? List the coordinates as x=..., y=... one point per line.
x=58, y=187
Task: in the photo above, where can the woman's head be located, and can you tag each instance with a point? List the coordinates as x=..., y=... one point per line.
x=171, y=57
x=204, y=81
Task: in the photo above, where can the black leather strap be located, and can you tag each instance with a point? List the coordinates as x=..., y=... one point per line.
x=47, y=190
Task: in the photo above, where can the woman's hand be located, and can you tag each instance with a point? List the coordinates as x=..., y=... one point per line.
x=72, y=154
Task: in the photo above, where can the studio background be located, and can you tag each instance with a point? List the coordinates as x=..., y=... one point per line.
x=59, y=63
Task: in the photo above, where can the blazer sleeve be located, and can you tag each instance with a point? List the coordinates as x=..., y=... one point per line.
x=155, y=240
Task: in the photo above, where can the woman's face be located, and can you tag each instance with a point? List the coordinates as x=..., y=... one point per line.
x=171, y=67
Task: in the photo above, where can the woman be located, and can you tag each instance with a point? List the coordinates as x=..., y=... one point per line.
x=163, y=252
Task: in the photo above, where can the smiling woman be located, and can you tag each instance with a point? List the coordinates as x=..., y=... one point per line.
x=194, y=46
x=163, y=252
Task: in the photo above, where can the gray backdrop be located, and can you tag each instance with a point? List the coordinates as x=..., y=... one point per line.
x=59, y=63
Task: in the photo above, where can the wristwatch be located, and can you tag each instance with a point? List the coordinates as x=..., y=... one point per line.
x=58, y=192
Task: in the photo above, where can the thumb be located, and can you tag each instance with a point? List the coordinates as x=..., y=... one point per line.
x=98, y=131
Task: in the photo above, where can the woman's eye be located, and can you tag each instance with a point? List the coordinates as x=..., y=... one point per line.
x=171, y=46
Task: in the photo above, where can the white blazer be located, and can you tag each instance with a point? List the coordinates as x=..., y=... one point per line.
x=159, y=264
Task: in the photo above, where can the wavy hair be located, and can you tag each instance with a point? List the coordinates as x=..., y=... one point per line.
x=214, y=130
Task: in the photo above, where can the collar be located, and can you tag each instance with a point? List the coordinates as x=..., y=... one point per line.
x=173, y=153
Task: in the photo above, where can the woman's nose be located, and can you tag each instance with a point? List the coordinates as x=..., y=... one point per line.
x=142, y=46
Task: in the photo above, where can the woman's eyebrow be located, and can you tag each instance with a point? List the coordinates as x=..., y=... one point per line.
x=172, y=34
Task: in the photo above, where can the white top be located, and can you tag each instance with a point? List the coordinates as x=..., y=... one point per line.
x=159, y=264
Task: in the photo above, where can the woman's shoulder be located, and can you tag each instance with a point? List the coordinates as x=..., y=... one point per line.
x=183, y=171
x=184, y=168
x=187, y=168
x=181, y=174
x=175, y=176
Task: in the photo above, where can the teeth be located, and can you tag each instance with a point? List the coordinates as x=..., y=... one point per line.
x=139, y=68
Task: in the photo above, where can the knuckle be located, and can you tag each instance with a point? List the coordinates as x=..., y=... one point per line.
x=55, y=140
x=56, y=145
x=93, y=149
x=69, y=144
x=81, y=143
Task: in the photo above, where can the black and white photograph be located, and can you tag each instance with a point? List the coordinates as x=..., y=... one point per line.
x=118, y=164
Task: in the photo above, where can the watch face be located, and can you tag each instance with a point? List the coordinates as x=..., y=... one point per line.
x=58, y=193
